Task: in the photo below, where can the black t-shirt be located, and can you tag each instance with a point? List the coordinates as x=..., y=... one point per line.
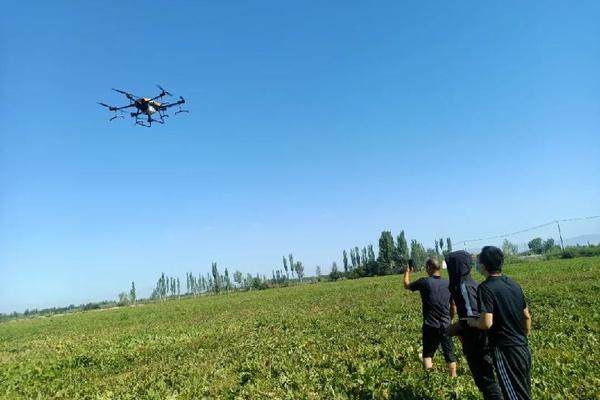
x=436, y=300
x=504, y=298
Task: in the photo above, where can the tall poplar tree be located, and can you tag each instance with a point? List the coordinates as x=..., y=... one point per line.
x=370, y=254
x=345, y=257
x=227, y=280
x=215, y=275
x=299, y=270
x=418, y=254
x=285, y=265
x=132, y=294
x=386, y=253
x=402, y=252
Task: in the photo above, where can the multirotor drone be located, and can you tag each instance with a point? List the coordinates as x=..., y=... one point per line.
x=146, y=107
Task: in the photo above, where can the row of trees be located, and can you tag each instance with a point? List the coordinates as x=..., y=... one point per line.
x=166, y=286
x=540, y=246
x=217, y=282
x=294, y=267
x=535, y=246
x=392, y=257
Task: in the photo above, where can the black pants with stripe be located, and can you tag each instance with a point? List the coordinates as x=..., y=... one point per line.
x=513, y=368
x=482, y=368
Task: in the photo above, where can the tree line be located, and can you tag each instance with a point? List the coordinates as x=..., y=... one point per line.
x=391, y=257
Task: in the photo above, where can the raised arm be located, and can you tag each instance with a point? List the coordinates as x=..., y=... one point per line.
x=527, y=321
x=407, y=277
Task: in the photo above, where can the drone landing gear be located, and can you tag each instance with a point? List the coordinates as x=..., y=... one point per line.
x=181, y=110
x=149, y=121
x=115, y=117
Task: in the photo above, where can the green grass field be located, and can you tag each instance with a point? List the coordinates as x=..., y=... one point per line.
x=348, y=339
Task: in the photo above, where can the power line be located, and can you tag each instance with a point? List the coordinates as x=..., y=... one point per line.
x=505, y=235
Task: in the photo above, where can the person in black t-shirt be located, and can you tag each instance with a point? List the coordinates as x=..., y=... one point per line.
x=505, y=316
x=437, y=314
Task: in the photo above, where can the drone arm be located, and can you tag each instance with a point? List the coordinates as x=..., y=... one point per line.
x=130, y=96
x=177, y=103
x=121, y=108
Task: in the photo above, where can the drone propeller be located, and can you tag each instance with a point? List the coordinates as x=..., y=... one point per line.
x=130, y=96
x=111, y=108
x=163, y=91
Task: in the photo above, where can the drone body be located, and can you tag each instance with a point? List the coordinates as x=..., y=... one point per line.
x=147, y=107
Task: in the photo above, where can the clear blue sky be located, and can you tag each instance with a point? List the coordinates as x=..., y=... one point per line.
x=313, y=128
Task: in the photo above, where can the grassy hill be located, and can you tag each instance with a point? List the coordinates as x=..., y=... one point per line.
x=347, y=339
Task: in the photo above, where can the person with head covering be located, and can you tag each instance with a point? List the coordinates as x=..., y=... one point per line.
x=505, y=316
x=463, y=289
x=437, y=316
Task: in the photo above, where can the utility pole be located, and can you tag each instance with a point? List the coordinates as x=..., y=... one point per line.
x=562, y=246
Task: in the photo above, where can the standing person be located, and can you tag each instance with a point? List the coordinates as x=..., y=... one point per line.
x=475, y=346
x=505, y=316
x=436, y=314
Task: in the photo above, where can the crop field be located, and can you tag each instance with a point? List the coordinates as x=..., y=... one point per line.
x=328, y=340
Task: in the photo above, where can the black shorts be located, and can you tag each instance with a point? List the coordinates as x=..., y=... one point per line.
x=433, y=337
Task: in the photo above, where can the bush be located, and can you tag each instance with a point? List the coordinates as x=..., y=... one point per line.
x=581, y=251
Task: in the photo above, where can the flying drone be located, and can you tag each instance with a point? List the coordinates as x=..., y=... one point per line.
x=146, y=107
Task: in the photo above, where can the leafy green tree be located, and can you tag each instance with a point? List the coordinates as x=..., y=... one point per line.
x=299, y=270
x=210, y=284
x=291, y=259
x=285, y=266
x=162, y=286
x=132, y=294
x=123, y=299
x=418, y=254
x=448, y=245
x=334, y=275
x=318, y=271
x=227, y=281
x=363, y=257
x=437, y=247
x=178, y=288
x=345, y=256
x=386, y=253
x=215, y=276
x=536, y=245
x=402, y=252
x=370, y=254
x=357, y=256
x=353, y=258
x=548, y=245
x=237, y=278
x=442, y=245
